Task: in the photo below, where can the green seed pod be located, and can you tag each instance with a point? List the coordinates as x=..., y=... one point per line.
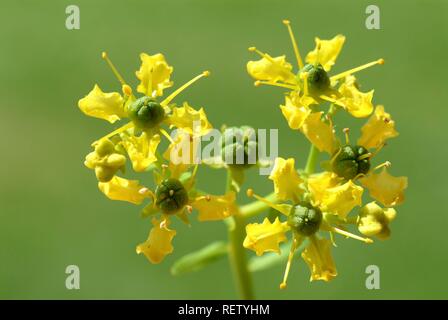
x=349, y=161
x=146, y=113
x=318, y=80
x=305, y=219
x=239, y=146
x=171, y=196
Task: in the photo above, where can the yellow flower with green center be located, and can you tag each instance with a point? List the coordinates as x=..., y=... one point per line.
x=311, y=85
x=140, y=136
x=305, y=219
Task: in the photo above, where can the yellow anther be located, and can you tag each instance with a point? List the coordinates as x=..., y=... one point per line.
x=250, y=192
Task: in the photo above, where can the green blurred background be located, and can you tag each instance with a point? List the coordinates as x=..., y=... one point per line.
x=52, y=214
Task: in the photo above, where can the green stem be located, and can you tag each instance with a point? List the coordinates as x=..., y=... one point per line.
x=252, y=209
x=237, y=253
x=311, y=163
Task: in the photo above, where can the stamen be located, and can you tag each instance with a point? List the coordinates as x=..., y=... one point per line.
x=346, y=132
x=365, y=156
x=166, y=134
x=282, y=208
x=386, y=164
x=114, y=70
x=288, y=264
x=294, y=44
x=189, y=208
x=351, y=71
x=377, y=150
x=182, y=88
x=305, y=83
x=351, y=235
x=127, y=126
x=127, y=90
x=261, y=54
x=274, y=84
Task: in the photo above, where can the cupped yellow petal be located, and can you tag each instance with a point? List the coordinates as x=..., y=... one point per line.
x=296, y=109
x=326, y=52
x=342, y=199
x=357, y=103
x=319, y=183
x=378, y=129
x=158, y=244
x=181, y=153
x=317, y=256
x=141, y=149
x=98, y=104
x=154, y=75
x=215, y=207
x=374, y=220
x=265, y=237
x=192, y=121
x=385, y=188
x=122, y=189
x=319, y=133
x=272, y=69
x=286, y=179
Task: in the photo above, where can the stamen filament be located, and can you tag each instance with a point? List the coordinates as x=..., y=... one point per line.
x=282, y=208
x=127, y=126
x=288, y=264
x=114, y=70
x=386, y=164
x=351, y=235
x=294, y=44
x=347, y=137
x=365, y=156
x=275, y=84
x=263, y=55
x=166, y=134
x=351, y=71
x=305, y=83
x=183, y=87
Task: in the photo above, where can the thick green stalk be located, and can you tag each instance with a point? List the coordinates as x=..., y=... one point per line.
x=313, y=157
x=237, y=253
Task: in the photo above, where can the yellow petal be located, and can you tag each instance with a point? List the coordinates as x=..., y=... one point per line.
x=387, y=189
x=192, y=121
x=141, y=149
x=265, y=237
x=154, y=74
x=328, y=53
x=296, y=110
x=378, y=129
x=271, y=69
x=357, y=103
x=102, y=105
x=318, y=184
x=342, y=199
x=286, y=179
x=158, y=244
x=317, y=256
x=321, y=134
x=215, y=207
x=122, y=189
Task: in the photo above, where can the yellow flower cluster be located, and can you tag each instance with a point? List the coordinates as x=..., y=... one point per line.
x=174, y=193
x=315, y=204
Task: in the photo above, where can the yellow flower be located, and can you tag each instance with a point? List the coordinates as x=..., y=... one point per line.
x=154, y=74
x=296, y=109
x=378, y=129
x=286, y=179
x=265, y=237
x=342, y=199
x=326, y=52
x=374, y=220
x=317, y=256
x=271, y=69
x=319, y=133
x=123, y=189
x=141, y=149
x=387, y=189
x=158, y=244
x=357, y=103
x=215, y=207
x=105, y=161
x=107, y=106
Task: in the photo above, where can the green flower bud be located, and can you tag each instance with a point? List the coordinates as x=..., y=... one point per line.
x=318, y=80
x=239, y=146
x=171, y=196
x=104, y=147
x=305, y=219
x=104, y=174
x=349, y=161
x=374, y=220
x=146, y=113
